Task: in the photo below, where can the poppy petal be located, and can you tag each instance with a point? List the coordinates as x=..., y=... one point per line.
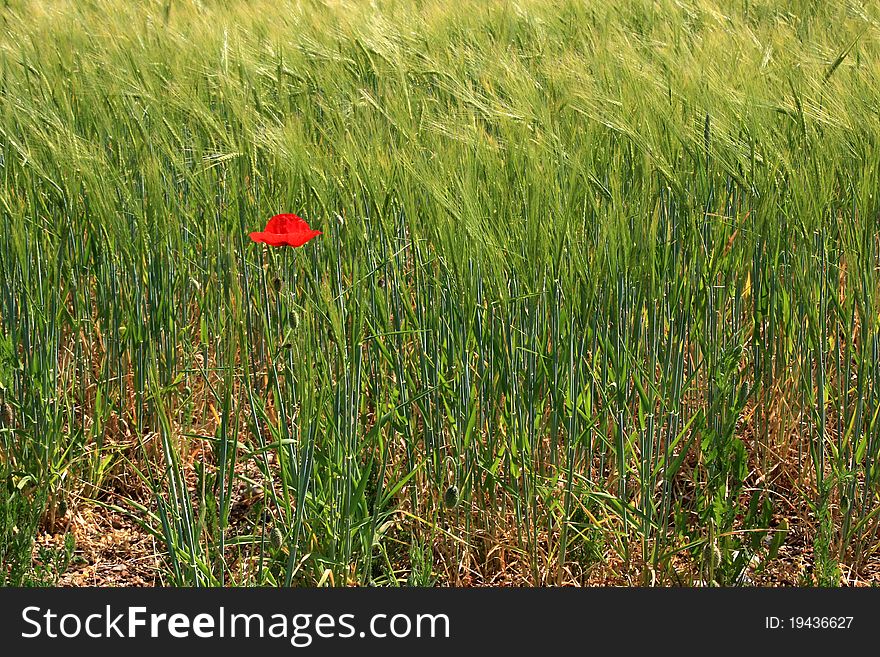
x=286, y=223
x=285, y=230
x=285, y=239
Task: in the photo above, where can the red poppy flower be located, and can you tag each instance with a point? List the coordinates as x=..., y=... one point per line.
x=285, y=230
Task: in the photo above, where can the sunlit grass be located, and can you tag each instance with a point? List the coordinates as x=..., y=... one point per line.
x=609, y=272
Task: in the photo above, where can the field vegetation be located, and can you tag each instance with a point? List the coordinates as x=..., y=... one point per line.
x=596, y=299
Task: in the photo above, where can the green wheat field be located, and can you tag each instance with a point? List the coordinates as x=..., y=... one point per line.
x=596, y=300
